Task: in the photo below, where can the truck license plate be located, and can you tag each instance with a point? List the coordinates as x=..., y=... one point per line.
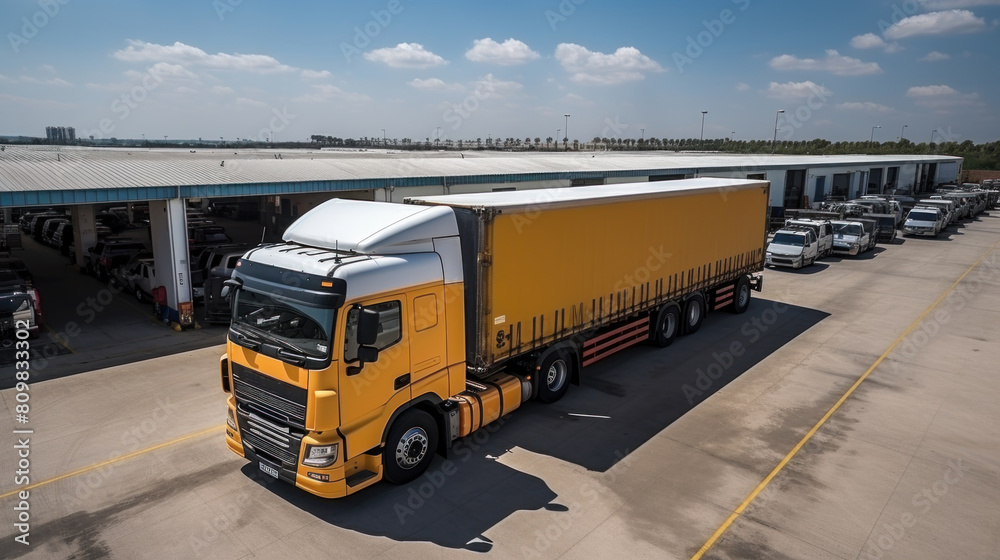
x=268, y=469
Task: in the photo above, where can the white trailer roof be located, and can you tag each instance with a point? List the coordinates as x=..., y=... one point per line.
x=581, y=196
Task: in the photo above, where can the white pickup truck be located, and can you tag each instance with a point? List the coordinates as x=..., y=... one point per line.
x=794, y=247
x=822, y=229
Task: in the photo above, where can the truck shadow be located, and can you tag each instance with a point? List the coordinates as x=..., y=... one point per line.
x=452, y=505
x=623, y=402
x=816, y=267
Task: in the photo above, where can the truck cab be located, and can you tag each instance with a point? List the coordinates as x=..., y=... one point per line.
x=792, y=247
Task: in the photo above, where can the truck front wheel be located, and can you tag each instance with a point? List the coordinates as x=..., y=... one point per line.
x=553, y=375
x=409, y=448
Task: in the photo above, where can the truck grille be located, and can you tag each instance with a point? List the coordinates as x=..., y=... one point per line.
x=271, y=414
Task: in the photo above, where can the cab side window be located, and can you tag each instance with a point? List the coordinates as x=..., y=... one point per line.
x=390, y=328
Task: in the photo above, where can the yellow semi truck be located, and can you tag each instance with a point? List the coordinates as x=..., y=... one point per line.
x=377, y=334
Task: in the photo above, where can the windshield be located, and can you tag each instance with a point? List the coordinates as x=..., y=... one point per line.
x=788, y=239
x=847, y=229
x=292, y=325
x=922, y=217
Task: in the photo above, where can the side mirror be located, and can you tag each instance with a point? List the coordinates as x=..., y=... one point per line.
x=367, y=354
x=367, y=329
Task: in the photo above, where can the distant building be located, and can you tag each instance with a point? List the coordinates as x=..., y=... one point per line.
x=60, y=134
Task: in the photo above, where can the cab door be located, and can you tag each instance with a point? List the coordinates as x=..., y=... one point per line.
x=366, y=388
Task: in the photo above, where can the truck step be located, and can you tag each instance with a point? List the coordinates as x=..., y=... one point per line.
x=359, y=477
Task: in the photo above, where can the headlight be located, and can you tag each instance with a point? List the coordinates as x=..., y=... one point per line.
x=321, y=455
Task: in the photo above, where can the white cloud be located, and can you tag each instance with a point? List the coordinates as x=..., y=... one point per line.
x=869, y=106
x=180, y=53
x=43, y=82
x=627, y=64
x=934, y=56
x=742, y=87
x=405, y=55
x=796, y=90
x=494, y=87
x=247, y=102
x=184, y=90
x=434, y=84
x=833, y=62
x=952, y=4
x=873, y=41
x=315, y=74
x=941, y=96
x=222, y=90
x=936, y=23
x=327, y=92
x=509, y=53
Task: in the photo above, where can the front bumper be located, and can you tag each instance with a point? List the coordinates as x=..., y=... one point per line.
x=794, y=261
x=335, y=478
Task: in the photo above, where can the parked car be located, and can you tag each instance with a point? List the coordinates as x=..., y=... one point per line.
x=212, y=256
x=792, y=247
x=62, y=239
x=139, y=277
x=109, y=254
x=924, y=220
x=851, y=237
x=17, y=309
x=37, y=223
x=49, y=229
x=822, y=229
x=947, y=208
x=203, y=236
x=12, y=283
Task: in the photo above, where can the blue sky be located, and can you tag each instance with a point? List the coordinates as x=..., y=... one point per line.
x=467, y=70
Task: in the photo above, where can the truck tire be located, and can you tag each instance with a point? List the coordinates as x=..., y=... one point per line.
x=694, y=314
x=409, y=447
x=668, y=321
x=741, y=296
x=552, y=376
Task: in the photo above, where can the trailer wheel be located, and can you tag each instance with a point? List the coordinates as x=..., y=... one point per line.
x=409, y=447
x=741, y=296
x=694, y=313
x=139, y=295
x=668, y=321
x=552, y=376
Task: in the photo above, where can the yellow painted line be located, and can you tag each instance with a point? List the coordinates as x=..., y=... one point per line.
x=112, y=461
x=805, y=439
x=55, y=336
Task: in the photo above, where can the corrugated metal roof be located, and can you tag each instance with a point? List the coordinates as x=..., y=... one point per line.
x=236, y=172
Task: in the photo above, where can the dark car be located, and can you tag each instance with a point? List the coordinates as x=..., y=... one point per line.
x=16, y=311
x=37, y=223
x=108, y=255
x=63, y=237
x=111, y=221
x=49, y=229
x=12, y=283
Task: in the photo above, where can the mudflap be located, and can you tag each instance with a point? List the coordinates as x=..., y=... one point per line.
x=757, y=282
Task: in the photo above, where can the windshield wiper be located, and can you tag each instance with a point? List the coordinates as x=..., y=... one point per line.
x=247, y=340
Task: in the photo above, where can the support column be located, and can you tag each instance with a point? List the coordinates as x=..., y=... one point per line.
x=7, y=215
x=84, y=230
x=168, y=233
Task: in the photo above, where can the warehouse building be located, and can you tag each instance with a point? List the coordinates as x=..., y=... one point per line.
x=281, y=185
